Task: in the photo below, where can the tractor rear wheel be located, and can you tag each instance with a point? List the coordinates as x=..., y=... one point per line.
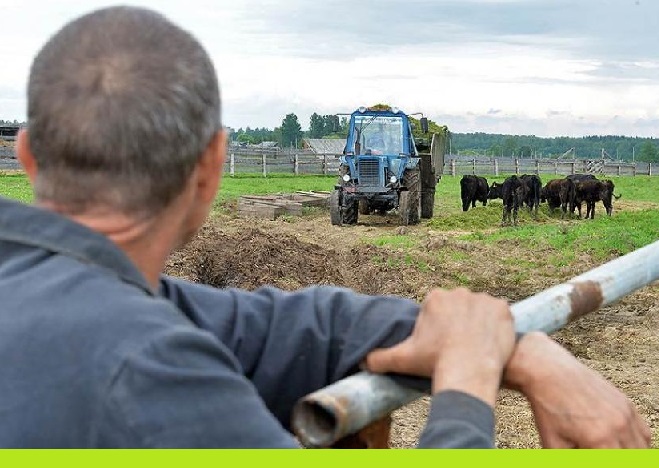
x=427, y=203
x=404, y=208
x=409, y=207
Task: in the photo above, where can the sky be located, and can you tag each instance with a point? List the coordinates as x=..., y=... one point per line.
x=532, y=67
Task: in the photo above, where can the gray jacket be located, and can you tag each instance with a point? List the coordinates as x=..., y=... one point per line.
x=92, y=357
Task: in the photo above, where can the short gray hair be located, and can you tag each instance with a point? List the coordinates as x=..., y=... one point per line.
x=121, y=105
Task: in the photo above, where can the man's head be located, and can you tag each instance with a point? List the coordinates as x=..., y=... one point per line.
x=122, y=106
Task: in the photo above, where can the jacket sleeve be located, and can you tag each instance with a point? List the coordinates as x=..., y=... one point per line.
x=458, y=420
x=290, y=344
x=183, y=389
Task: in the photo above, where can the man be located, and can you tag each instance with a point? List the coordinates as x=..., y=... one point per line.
x=125, y=151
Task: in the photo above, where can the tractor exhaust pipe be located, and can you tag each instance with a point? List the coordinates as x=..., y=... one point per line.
x=345, y=407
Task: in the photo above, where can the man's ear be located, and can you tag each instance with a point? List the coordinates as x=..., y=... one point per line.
x=25, y=156
x=210, y=167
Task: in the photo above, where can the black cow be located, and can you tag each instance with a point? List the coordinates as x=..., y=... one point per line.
x=534, y=185
x=472, y=189
x=580, y=177
x=592, y=191
x=513, y=192
x=495, y=191
x=559, y=192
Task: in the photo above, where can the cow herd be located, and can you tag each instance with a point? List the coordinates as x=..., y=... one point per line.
x=568, y=194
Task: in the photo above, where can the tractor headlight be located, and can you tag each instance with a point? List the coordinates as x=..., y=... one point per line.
x=362, y=109
x=346, y=177
x=395, y=110
x=393, y=179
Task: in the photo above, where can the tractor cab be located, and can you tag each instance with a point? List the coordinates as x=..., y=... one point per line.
x=385, y=132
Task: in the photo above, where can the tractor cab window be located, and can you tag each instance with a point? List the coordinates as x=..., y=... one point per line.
x=378, y=135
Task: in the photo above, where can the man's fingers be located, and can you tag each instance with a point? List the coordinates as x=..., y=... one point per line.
x=639, y=433
x=394, y=359
x=645, y=432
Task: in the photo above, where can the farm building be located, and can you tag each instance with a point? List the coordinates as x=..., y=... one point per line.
x=324, y=145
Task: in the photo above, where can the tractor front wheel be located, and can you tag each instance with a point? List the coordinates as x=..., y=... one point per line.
x=336, y=216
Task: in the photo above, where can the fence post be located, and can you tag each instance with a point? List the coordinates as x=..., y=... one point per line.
x=555, y=167
x=265, y=171
x=473, y=166
x=618, y=168
x=573, y=163
x=496, y=167
x=453, y=167
x=324, y=164
x=537, y=167
x=516, y=166
x=649, y=168
x=232, y=165
x=296, y=165
x=634, y=170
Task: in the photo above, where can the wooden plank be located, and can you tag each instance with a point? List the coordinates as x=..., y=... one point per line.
x=317, y=194
x=260, y=210
x=311, y=198
x=277, y=206
x=273, y=206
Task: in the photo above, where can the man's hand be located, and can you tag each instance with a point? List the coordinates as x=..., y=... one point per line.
x=573, y=405
x=461, y=339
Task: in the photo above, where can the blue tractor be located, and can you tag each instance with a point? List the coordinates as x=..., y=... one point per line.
x=382, y=169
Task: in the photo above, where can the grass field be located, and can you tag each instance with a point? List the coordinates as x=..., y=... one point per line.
x=631, y=227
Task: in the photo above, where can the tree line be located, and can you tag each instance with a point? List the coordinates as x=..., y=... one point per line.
x=530, y=146
x=11, y=122
x=290, y=134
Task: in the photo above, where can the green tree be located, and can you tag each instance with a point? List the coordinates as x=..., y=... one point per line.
x=495, y=150
x=330, y=124
x=316, y=126
x=526, y=152
x=509, y=147
x=291, y=131
x=245, y=138
x=649, y=152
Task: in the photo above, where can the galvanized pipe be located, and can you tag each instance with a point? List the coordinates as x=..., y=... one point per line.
x=345, y=407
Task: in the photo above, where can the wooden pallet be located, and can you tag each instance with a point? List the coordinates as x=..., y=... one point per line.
x=273, y=206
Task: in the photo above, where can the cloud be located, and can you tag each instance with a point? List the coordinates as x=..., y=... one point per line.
x=617, y=29
x=556, y=123
x=521, y=65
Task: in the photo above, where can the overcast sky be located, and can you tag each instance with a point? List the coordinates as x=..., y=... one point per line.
x=543, y=67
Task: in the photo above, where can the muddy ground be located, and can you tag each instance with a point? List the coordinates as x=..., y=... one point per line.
x=620, y=341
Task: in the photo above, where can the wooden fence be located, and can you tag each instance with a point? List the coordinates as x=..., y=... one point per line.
x=495, y=166
x=291, y=161
x=282, y=162
x=306, y=162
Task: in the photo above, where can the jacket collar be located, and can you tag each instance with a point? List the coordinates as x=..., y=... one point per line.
x=31, y=225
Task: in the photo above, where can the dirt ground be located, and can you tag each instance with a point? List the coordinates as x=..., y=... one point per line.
x=620, y=341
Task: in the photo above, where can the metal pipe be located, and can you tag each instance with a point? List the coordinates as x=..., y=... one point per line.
x=345, y=407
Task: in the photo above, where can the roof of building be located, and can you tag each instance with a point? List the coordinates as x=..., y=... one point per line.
x=325, y=145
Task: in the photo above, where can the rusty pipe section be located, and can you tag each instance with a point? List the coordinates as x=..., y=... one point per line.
x=323, y=417
x=345, y=407
x=553, y=308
